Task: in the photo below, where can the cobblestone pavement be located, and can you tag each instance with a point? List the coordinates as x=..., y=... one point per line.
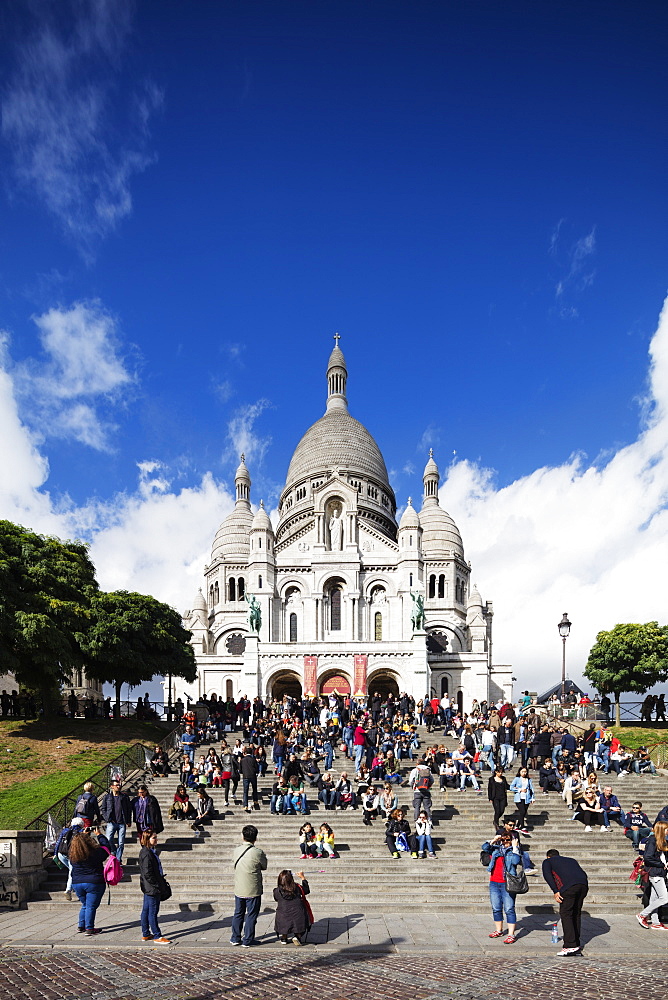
x=445, y=932
x=347, y=975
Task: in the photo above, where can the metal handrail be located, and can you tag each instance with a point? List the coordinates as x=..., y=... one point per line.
x=132, y=759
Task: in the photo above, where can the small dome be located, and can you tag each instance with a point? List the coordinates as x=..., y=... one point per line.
x=431, y=468
x=409, y=518
x=261, y=520
x=242, y=472
x=336, y=359
x=475, y=600
x=440, y=534
x=232, y=539
x=199, y=604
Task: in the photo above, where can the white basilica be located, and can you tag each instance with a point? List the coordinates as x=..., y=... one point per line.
x=337, y=582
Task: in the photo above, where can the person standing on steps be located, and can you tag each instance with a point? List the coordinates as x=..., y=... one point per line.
x=249, y=863
x=117, y=814
x=151, y=883
x=249, y=771
x=497, y=793
x=569, y=883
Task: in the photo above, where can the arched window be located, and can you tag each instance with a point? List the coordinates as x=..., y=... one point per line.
x=259, y=543
x=444, y=686
x=441, y=585
x=241, y=588
x=410, y=579
x=211, y=596
x=432, y=585
x=293, y=627
x=232, y=589
x=229, y=690
x=216, y=593
x=335, y=609
x=410, y=540
x=259, y=582
x=378, y=627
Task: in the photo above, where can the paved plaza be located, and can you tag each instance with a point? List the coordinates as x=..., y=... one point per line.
x=348, y=973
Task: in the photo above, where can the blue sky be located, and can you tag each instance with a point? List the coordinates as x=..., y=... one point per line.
x=196, y=196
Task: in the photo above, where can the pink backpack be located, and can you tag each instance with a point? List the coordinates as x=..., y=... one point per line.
x=113, y=870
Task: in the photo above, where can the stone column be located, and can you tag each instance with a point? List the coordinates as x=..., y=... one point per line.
x=21, y=866
x=421, y=678
x=250, y=671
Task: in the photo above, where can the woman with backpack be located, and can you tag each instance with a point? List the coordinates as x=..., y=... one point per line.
x=87, y=807
x=503, y=860
x=62, y=847
x=87, y=859
x=152, y=884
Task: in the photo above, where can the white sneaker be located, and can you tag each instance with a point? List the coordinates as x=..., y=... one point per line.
x=587, y=829
x=606, y=829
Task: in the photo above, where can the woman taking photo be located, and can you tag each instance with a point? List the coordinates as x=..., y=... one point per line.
x=523, y=795
x=503, y=858
x=656, y=863
x=151, y=882
x=293, y=913
x=87, y=859
x=497, y=794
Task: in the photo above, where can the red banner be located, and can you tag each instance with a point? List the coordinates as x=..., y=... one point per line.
x=337, y=684
x=360, y=673
x=310, y=676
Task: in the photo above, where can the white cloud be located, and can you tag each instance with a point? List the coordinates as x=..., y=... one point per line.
x=71, y=391
x=242, y=437
x=73, y=143
x=579, y=273
x=157, y=539
x=588, y=539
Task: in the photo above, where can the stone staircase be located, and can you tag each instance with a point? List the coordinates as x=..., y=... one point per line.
x=365, y=878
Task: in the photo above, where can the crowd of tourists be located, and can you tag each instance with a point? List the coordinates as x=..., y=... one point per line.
x=374, y=745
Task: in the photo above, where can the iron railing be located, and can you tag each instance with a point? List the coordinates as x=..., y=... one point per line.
x=630, y=711
x=134, y=760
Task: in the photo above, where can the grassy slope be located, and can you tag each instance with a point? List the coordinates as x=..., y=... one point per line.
x=42, y=761
x=635, y=736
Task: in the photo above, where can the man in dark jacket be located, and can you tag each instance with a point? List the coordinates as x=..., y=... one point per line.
x=146, y=812
x=249, y=772
x=117, y=814
x=569, y=883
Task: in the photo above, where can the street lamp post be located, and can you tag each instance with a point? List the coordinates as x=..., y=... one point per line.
x=564, y=631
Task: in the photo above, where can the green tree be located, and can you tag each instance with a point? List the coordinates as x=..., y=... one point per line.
x=46, y=587
x=132, y=637
x=628, y=658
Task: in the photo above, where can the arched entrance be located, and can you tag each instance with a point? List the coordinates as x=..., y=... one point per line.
x=285, y=682
x=384, y=682
x=335, y=683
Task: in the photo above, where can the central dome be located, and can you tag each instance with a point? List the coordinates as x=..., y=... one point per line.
x=337, y=440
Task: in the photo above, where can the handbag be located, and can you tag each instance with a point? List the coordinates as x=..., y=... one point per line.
x=517, y=884
x=401, y=842
x=165, y=889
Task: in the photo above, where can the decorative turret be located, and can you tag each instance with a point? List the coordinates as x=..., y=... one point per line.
x=440, y=535
x=409, y=518
x=430, y=479
x=261, y=520
x=199, y=604
x=242, y=481
x=337, y=376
